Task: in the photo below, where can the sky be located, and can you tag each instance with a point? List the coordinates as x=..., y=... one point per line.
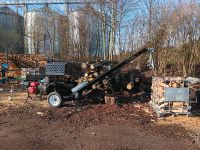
x=128, y=19
x=61, y=8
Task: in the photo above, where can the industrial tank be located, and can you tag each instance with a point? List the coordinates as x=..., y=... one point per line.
x=85, y=34
x=12, y=30
x=42, y=32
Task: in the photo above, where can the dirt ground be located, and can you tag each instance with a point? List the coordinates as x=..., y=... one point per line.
x=133, y=126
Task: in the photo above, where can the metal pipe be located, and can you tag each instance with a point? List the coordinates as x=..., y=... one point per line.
x=35, y=2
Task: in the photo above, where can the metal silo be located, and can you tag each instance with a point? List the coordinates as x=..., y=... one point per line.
x=86, y=33
x=42, y=32
x=11, y=29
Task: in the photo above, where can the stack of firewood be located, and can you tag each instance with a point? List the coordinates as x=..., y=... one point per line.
x=194, y=88
x=128, y=78
x=13, y=71
x=158, y=99
x=39, y=61
x=93, y=70
x=159, y=84
x=1, y=57
x=28, y=60
x=197, y=70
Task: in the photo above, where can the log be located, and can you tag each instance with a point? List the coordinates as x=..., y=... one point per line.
x=110, y=100
x=96, y=74
x=105, y=81
x=97, y=65
x=130, y=86
x=94, y=86
x=84, y=65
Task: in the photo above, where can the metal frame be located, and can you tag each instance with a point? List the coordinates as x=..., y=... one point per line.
x=55, y=68
x=39, y=2
x=174, y=94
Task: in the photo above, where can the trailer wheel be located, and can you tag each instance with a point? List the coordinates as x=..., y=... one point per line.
x=54, y=99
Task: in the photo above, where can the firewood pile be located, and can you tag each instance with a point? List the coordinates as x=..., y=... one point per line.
x=197, y=70
x=93, y=70
x=73, y=69
x=169, y=95
x=1, y=60
x=1, y=56
x=128, y=78
x=13, y=70
x=159, y=84
x=28, y=60
x=39, y=61
x=194, y=88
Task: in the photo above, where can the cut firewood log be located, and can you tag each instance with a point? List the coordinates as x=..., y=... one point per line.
x=130, y=86
x=110, y=100
x=97, y=65
x=94, y=86
x=86, y=75
x=96, y=74
x=105, y=81
x=84, y=65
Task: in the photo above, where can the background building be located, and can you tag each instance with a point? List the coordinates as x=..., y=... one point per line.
x=42, y=32
x=86, y=34
x=11, y=30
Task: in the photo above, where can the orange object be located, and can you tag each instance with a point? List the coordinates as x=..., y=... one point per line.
x=13, y=71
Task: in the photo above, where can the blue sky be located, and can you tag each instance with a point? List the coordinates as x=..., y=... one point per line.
x=60, y=8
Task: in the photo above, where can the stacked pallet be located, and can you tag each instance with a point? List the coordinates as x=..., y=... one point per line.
x=160, y=101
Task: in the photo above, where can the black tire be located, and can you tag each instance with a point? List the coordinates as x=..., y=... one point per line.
x=54, y=99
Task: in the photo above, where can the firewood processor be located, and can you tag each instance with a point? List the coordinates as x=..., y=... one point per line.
x=58, y=92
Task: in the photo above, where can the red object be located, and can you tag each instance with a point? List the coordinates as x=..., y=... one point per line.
x=34, y=84
x=32, y=90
